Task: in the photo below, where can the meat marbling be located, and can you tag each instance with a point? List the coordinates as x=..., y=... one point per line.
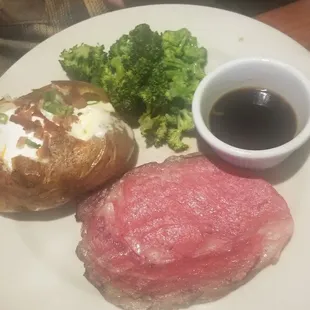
x=185, y=231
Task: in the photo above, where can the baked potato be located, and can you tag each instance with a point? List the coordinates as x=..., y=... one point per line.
x=57, y=143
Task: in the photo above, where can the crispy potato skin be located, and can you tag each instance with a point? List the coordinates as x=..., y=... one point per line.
x=74, y=167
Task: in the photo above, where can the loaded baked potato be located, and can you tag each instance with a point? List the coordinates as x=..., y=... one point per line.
x=59, y=142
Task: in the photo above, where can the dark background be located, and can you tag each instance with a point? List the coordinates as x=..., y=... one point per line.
x=246, y=7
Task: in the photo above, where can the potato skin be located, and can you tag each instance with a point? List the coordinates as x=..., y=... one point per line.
x=74, y=167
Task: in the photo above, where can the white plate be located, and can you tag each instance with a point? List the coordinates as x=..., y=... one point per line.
x=39, y=269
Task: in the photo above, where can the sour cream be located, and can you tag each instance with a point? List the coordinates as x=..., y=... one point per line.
x=9, y=135
x=95, y=120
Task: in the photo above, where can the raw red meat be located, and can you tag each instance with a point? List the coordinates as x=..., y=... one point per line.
x=184, y=231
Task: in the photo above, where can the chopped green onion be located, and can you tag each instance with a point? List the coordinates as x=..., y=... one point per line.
x=32, y=144
x=92, y=102
x=57, y=108
x=3, y=118
x=49, y=95
x=54, y=104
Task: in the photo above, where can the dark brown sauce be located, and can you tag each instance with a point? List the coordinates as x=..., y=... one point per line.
x=253, y=119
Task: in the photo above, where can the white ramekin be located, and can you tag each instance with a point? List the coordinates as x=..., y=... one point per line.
x=254, y=72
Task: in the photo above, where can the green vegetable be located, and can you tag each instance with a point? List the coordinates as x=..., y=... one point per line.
x=3, y=118
x=54, y=104
x=92, y=102
x=32, y=144
x=170, y=89
x=50, y=95
x=168, y=128
x=131, y=61
x=184, y=124
x=150, y=77
x=84, y=62
x=57, y=108
x=185, y=63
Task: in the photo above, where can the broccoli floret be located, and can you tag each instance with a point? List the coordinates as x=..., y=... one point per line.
x=161, y=133
x=170, y=89
x=184, y=124
x=139, y=50
x=140, y=42
x=121, y=48
x=185, y=63
x=168, y=128
x=181, y=44
x=84, y=62
x=185, y=120
x=123, y=89
x=154, y=94
x=174, y=41
x=149, y=77
x=154, y=129
x=132, y=59
x=174, y=140
x=145, y=43
x=146, y=124
x=154, y=125
x=177, y=77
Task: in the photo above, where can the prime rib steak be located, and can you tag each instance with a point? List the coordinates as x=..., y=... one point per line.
x=180, y=232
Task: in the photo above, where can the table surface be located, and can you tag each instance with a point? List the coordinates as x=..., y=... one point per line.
x=292, y=19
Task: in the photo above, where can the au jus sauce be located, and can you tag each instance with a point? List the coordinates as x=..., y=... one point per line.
x=253, y=119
